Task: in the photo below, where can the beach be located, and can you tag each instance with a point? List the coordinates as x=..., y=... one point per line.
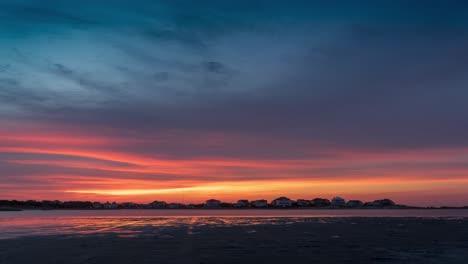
x=308, y=240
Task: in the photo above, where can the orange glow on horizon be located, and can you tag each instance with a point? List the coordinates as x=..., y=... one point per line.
x=231, y=191
x=82, y=166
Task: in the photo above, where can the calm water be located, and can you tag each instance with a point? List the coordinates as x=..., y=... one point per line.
x=152, y=222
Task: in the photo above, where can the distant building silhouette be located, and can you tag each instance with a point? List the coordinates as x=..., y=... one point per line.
x=382, y=203
x=212, y=203
x=354, y=203
x=303, y=203
x=242, y=204
x=158, y=204
x=282, y=202
x=321, y=202
x=338, y=202
x=260, y=203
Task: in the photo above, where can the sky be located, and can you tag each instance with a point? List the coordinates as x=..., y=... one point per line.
x=185, y=101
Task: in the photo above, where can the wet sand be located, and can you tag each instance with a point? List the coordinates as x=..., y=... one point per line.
x=320, y=240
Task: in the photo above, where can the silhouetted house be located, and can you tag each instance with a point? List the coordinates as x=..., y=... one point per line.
x=321, y=202
x=354, y=203
x=260, y=203
x=158, y=204
x=303, y=203
x=338, y=202
x=385, y=202
x=97, y=205
x=242, y=204
x=282, y=202
x=212, y=203
x=108, y=205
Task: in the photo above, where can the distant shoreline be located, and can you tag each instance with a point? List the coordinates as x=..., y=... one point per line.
x=281, y=203
x=225, y=209
x=11, y=209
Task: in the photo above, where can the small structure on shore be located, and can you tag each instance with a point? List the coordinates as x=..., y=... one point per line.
x=212, y=203
x=303, y=203
x=321, y=202
x=282, y=202
x=158, y=204
x=260, y=203
x=242, y=204
x=338, y=202
x=108, y=205
x=354, y=203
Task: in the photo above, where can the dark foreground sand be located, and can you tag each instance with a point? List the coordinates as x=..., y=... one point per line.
x=336, y=240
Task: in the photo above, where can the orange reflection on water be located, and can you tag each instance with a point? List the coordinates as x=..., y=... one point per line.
x=121, y=226
x=165, y=223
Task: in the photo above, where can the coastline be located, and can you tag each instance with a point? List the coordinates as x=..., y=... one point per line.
x=11, y=209
x=229, y=209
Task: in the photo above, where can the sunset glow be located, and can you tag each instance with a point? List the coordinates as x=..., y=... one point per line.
x=110, y=169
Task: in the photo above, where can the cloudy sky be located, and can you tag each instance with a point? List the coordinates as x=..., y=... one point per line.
x=189, y=100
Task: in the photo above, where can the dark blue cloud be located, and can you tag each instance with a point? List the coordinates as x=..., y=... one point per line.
x=362, y=74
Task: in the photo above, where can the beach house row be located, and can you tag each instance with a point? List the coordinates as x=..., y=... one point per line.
x=285, y=202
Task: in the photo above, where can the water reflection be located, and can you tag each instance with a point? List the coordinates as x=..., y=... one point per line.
x=123, y=223
x=123, y=226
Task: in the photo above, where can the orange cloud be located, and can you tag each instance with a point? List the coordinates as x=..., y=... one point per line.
x=102, y=168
